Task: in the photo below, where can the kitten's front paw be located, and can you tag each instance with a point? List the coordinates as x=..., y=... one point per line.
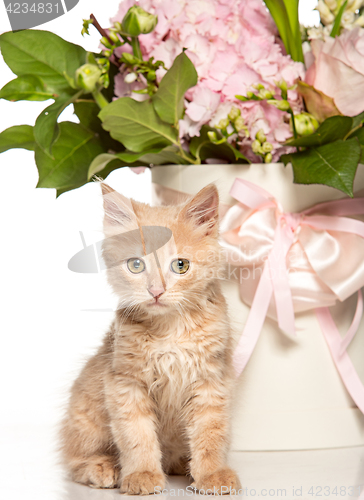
x=98, y=472
x=142, y=483
x=221, y=482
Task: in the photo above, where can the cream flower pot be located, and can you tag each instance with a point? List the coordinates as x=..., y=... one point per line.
x=290, y=395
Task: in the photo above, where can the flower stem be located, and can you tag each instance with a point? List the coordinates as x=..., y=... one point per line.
x=100, y=99
x=187, y=157
x=136, y=47
x=99, y=29
x=293, y=123
x=352, y=131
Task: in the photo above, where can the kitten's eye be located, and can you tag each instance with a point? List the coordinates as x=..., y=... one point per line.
x=180, y=266
x=136, y=266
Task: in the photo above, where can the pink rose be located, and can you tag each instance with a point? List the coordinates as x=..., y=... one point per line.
x=338, y=70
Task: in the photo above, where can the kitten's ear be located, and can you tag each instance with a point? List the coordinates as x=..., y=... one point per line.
x=118, y=210
x=203, y=209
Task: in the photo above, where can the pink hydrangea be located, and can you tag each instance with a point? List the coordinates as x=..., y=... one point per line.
x=233, y=44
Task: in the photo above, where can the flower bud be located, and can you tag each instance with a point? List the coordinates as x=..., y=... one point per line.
x=282, y=84
x=305, y=123
x=137, y=21
x=282, y=105
x=249, y=94
x=265, y=94
x=107, y=53
x=256, y=146
x=258, y=86
x=128, y=58
x=130, y=77
x=260, y=136
x=223, y=124
x=105, y=80
x=268, y=158
x=212, y=136
x=113, y=36
x=105, y=42
x=118, y=26
x=267, y=147
x=234, y=113
x=239, y=123
x=151, y=76
x=87, y=77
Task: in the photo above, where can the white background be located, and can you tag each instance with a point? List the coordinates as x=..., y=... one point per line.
x=46, y=323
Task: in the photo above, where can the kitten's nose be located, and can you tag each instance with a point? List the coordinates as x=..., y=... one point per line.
x=156, y=291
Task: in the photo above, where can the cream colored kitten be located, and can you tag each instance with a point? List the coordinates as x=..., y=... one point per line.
x=156, y=397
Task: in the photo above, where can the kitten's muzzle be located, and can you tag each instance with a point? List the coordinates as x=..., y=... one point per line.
x=156, y=292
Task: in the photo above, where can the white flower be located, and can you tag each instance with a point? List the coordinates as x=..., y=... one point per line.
x=326, y=15
x=332, y=4
x=354, y=5
x=347, y=20
x=319, y=32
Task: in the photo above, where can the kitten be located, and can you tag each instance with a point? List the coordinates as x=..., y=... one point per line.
x=156, y=397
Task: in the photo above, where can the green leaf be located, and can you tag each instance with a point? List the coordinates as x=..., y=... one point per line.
x=333, y=164
x=168, y=100
x=67, y=188
x=110, y=166
x=46, y=127
x=19, y=136
x=25, y=88
x=44, y=55
x=358, y=119
x=168, y=155
x=100, y=163
x=136, y=125
x=124, y=159
x=279, y=14
x=285, y=15
x=197, y=141
x=73, y=152
x=292, y=13
x=86, y=111
x=336, y=28
x=359, y=134
x=239, y=157
x=296, y=43
x=221, y=151
x=129, y=157
x=331, y=130
x=109, y=162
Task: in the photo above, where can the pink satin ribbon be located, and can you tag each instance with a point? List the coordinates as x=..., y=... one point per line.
x=309, y=260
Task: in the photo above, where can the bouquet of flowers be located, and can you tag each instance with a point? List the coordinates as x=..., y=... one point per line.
x=196, y=81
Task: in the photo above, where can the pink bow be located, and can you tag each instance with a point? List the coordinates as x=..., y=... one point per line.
x=296, y=262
